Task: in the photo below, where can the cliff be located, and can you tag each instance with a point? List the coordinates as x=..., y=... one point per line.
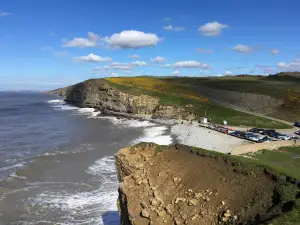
x=100, y=95
x=58, y=91
x=184, y=185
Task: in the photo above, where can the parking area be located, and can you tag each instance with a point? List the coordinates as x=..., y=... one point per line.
x=256, y=134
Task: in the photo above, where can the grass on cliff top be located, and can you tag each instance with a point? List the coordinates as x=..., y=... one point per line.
x=171, y=93
x=274, y=86
x=284, y=162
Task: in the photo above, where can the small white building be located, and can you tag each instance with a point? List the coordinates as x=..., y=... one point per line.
x=203, y=120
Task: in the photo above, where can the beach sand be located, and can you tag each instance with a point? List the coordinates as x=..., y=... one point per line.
x=196, y=136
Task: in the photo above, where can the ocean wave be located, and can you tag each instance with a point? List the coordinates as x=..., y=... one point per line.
x=156, y=135
x=127, y=122
x=12, y=166
x=14, y=175
x=102, y=166
x=59, y=104
x=88, y=206
x=82, y=148
x=56, y=101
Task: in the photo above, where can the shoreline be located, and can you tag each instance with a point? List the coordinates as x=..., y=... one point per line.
x=181, y=131
x=189, y=133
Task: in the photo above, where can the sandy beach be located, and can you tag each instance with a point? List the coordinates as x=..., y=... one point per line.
x=193, y=135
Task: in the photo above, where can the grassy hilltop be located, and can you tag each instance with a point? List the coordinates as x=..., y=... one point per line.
x=185, y=91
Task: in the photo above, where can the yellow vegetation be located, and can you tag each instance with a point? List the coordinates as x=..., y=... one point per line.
x=157, y=85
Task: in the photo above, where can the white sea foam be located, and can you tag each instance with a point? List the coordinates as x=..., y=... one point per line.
x=56, y=101
x=14, y=175
x=93, y=206
x=127, y=122
x=103, y=165
x=11, y=166
x=82, y=148
x=156, y=135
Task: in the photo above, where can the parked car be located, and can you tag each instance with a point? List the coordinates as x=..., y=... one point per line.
x=252, y=137
x=257, y=130
x=212, y=127
x=269, y=132
x=234, y=133
x=283, y=136
x=297, y=124
x=267, y=139
x=297, y=132
x=231, y=132
x=224, y=130
x=242, y=134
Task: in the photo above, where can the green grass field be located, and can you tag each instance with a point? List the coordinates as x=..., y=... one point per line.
x=284, y=161
x=171, y=92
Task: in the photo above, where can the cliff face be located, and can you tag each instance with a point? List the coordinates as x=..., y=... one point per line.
x=176, y=186
x=59, y=91
x=98, y=94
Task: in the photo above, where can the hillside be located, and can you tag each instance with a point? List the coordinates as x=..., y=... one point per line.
x=177, y=98
x=276, y=95
x=178, y=184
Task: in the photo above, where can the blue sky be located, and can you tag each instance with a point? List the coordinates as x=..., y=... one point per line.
x=52, y=43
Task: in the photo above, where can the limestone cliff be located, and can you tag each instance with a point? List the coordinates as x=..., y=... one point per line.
x=59, y=91
x=100, y=95
x=181, y=185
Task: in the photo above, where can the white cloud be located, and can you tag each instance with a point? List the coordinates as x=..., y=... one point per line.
x=212, y=28
x=166, y=66
x=134, y=56
x=132, y=39
x=90, y=41
x=204, y=50
x=242, y=48
x=139, y=63
x=3, y=14
x=274, y=51
x=92, y=58
x=120, y=66
x=158, y=59
x=292, y=66
x=171, y=28
x=190, y=64
x=228, y=73
x=97, y=68
x=176, y=73
x=114, y=75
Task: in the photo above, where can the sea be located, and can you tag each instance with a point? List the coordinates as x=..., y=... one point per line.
x=57, y=161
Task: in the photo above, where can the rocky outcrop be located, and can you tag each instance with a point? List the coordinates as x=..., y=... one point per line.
x=59, y=91
x=173, y=112
x=100, y=95
x=172, y=185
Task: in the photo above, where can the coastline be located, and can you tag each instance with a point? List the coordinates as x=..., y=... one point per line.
x=182, y=132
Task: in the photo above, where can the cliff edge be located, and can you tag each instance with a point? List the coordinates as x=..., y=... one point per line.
x=99, y=94
x=182, y=185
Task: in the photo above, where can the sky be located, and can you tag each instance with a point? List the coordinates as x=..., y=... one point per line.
x=54, y=43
